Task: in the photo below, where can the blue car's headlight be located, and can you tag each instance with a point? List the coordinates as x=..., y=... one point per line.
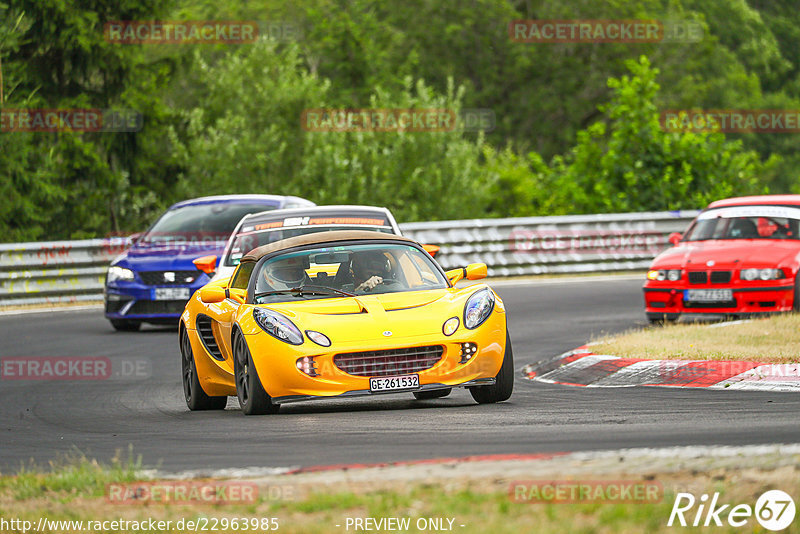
x=478, y=308
x=278, y=326
x=118, y=273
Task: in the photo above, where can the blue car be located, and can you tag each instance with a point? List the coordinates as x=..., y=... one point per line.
x=152, y=281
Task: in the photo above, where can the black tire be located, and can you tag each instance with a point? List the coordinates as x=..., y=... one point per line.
x=796, y=302
x=123, y=325
x=504, y=381
x=196, y=398
x=253, y=399
x=432, y=394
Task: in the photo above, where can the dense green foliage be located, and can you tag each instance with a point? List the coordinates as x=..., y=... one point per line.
x=577, y=126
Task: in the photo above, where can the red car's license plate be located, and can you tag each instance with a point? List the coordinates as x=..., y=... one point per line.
x=394, y=383
x=708, y=295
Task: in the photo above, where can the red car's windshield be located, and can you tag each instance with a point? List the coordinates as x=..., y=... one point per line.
x=746, y=222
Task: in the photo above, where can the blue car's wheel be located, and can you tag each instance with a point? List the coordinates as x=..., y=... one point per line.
x=196, y=398
x=253, y=399
x=124, y=325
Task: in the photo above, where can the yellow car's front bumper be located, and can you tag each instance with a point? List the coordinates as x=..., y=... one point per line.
x=276, y=363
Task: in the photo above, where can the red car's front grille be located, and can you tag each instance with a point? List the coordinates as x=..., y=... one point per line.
x=717, y=277
x=698, y=277
x=389, y=362
x=721, y=277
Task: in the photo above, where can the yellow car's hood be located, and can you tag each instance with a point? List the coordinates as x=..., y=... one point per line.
x=365, y=317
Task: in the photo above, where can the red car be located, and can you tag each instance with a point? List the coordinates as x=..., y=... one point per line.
x=740, y=256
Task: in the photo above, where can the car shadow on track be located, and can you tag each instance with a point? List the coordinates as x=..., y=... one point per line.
x=315, y=407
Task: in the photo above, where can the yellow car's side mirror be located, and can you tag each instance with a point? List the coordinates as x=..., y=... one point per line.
x=473, y=271
x=476, y=271
x=212, y=294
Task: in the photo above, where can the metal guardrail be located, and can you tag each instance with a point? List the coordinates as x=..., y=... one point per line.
x=56, y=271
x=549, y=245
x=74, y=271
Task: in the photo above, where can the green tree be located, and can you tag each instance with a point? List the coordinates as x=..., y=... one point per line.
x=247, y=136
x=634, y=165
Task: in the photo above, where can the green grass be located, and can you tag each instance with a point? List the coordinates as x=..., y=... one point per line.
x=73, y=488
x=73, y=475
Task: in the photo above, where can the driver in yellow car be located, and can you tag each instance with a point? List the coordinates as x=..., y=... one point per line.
x=285, y=274
x=368, y=268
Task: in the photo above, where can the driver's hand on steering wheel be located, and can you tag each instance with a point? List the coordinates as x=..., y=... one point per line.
x=369, y=284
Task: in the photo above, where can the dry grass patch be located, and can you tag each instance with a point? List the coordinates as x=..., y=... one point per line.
x=480, y=506
x=773, y=339
x=478, y=500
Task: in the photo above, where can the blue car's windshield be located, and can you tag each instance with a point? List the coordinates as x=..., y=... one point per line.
x=244, y=242
x=200, y=223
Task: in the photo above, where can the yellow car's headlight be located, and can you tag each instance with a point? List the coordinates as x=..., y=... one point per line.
x=278, y=326
x=478, y=308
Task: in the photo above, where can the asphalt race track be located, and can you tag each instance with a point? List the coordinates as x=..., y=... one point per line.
x=40, y=419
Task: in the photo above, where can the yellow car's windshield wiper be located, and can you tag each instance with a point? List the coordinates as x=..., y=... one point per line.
x=324, y=290
x=306, y=290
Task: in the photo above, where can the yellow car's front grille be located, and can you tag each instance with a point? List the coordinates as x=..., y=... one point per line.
x=389, y=362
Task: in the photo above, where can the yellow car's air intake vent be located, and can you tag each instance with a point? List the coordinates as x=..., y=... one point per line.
x=389, y=362
x=206, y=332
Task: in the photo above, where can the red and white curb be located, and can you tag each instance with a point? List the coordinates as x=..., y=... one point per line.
x=582, y=367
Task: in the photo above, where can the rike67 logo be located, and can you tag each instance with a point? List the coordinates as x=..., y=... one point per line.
x=774, y=510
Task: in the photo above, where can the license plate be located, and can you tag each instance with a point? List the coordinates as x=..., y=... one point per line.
x=708, y=295
x=394, y=383
x=171, y=293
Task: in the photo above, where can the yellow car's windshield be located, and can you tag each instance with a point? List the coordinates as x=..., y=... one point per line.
x=350, y=270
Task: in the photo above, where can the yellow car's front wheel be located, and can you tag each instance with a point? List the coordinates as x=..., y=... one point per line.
x=504, y=381
x=196, y=398
x=253, y=399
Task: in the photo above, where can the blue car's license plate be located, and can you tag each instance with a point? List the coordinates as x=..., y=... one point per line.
x=171, y=293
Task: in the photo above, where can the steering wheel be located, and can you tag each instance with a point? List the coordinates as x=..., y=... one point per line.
x=389, y=283
x=392, y=282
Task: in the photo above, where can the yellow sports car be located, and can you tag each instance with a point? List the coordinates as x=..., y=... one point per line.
x=342, y=314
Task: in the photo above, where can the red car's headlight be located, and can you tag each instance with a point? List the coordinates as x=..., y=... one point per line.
x=673, y=275
x=761, y=274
